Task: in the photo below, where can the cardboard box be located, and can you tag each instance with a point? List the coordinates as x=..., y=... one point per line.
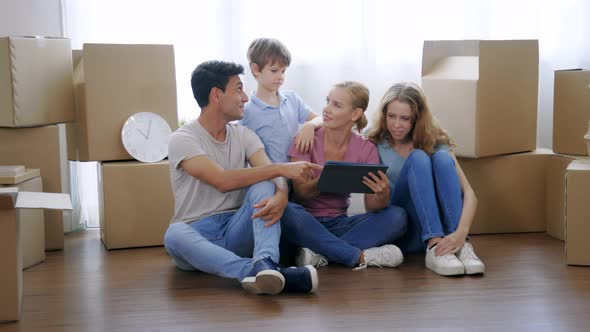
x=43, y=148
x=36, y=76
x=136, y=203
x=31, y=222
x=577, y=246
x=113, y=82
x=510, y=192
x=484, y=92
x=10, y=256
x=571, y=111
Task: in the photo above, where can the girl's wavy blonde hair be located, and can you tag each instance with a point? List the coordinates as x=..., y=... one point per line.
x=425, y=133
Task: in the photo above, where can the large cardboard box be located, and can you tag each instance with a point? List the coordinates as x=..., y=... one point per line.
x=113, y=82
x=136, y=203
x=31, y=222
x=578, y=213
x=11, y=282
x=43, y=148
x=571, y=111
x=484, y=92
x=36, y=81
x=510, y=192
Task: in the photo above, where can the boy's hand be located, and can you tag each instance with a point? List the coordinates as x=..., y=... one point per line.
x=304, y=138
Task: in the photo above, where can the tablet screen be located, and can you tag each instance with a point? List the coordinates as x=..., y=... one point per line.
x=346, y=177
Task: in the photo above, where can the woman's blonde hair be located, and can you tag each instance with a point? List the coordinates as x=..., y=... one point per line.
x=360, y=99
x=425, y=133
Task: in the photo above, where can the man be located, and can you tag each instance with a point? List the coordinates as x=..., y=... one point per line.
x=225, y=211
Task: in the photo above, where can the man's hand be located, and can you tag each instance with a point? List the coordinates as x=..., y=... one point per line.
x=304, y=138
x=300, y=170
x=271, y=208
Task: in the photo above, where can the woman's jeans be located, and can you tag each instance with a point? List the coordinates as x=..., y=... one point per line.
x=221, y=244
x=341, y=239
x=428, y=188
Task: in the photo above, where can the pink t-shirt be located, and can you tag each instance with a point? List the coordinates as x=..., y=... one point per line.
x=360, y=150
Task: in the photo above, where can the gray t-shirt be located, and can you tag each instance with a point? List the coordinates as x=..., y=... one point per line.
x=193, y=198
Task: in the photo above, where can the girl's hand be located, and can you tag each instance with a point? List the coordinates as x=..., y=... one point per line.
x=304, y=138
x=450, y=244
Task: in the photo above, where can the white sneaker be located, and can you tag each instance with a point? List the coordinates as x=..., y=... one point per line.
x=307, y=257
x=385, y=256
x=446, y=265
x=472, y=263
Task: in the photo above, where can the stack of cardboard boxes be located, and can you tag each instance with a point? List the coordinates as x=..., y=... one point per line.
x=111, y=83
x=35, y=95
x=485, y=94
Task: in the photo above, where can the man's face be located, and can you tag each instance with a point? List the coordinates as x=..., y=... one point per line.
x=233, y=99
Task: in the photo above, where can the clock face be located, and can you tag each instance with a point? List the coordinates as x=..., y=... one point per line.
x=145, y=136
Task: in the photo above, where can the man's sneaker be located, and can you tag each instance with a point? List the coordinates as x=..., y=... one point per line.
x=307, y=257
x=446, y=265
x=472, y=263
x=384, y=256
x=264, y=278
x=300, y=279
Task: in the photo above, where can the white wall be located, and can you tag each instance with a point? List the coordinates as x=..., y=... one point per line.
x=31, y=17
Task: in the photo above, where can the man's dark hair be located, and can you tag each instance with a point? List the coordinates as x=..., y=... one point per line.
x=212, y=74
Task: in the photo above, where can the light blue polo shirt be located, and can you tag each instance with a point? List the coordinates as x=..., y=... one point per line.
x=395, y=161
x=276, y=126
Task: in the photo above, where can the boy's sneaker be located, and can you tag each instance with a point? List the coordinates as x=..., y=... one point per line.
x=446, y=265
x=300, y=279
x=264, y=278
x=385, y=256
x=472, y=263
x=307, y=257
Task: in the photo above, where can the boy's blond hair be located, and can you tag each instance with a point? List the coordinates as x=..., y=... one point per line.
x=264, y=51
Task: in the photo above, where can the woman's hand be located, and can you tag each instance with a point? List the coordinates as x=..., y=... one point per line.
x=304, y=138
x=450, y=243
x=379, y=184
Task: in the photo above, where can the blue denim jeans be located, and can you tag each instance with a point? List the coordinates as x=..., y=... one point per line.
x=342, y=238
x=429, y=190
x=222, y=244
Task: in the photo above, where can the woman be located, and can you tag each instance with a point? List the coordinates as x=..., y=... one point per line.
x=320, y=225
x=427, y=181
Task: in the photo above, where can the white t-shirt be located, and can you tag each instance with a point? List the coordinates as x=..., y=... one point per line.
x=193, y=198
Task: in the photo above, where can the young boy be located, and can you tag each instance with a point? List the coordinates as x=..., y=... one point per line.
x=275, y=115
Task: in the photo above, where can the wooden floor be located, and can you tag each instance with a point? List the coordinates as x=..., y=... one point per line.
x=527, y=286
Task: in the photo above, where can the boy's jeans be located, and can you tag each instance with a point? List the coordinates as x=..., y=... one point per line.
x=429, y=190
x=342, y=238
x=221, y=244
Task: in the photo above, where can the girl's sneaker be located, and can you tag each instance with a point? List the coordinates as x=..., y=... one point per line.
x=446, y=265
x=472, y=263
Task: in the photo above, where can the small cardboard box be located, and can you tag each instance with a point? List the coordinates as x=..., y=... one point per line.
x=577, y=246
x=42, y=148
x=571, y=111
x=111, y=83
x=36, y=81
x=510, y=192
x=31, y=222
x=476, y=87
x=136, y=203
x=11, y=282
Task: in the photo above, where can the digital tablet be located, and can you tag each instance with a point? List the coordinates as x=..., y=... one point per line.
x=347, y=177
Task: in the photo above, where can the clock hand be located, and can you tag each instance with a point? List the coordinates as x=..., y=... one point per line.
x=149, y=127
x=142, y=134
